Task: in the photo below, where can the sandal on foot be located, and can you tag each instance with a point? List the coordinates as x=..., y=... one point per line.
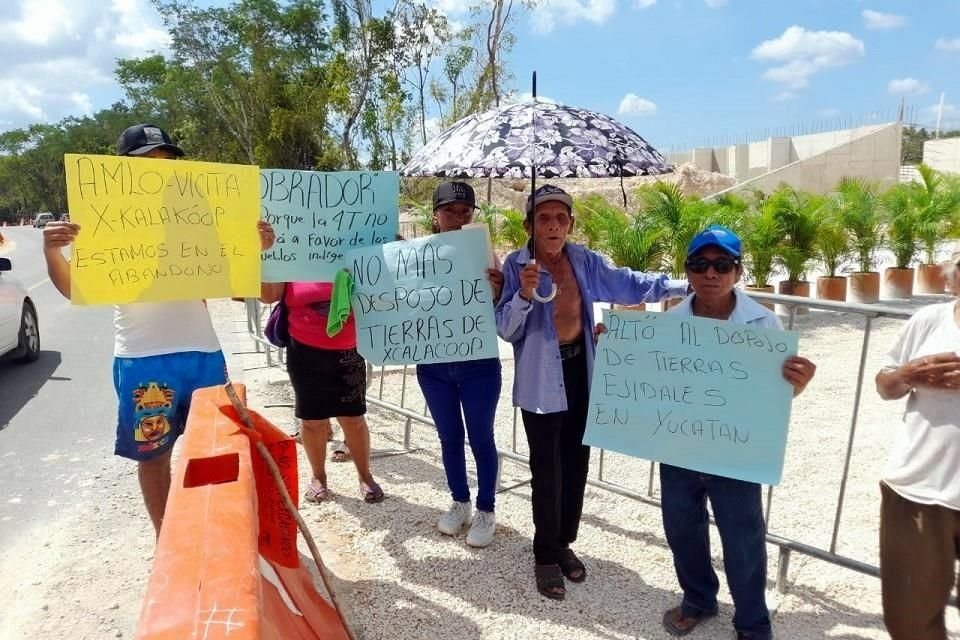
x=372, y=494
x=678, y=624
x=340, y=453
x=571, y=566
x=550, y=581
x=316, y=492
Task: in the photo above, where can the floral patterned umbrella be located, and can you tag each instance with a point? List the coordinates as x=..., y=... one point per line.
x=563, y=141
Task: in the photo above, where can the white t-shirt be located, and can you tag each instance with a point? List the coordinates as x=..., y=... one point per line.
x=158, y=328
x=924, y=464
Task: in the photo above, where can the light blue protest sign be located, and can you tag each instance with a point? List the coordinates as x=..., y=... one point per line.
x=692, y=392
x=424, y=301
x=319, y=216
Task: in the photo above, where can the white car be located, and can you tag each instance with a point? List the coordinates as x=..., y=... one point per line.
x=42, y=219
x=19, y=328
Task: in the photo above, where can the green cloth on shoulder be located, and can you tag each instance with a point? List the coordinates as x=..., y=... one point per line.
x=339, y=302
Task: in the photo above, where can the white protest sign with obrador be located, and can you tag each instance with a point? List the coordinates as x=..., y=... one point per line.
x=155, y=230
x=320, y=216
x=424, y=301
x=696, y=393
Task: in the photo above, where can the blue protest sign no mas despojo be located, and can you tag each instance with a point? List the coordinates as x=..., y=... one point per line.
x=696, y=393
x=424, y=301
x=320, y=216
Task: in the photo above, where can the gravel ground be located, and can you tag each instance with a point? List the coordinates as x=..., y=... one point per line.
x=400, y=579
x=392, y=564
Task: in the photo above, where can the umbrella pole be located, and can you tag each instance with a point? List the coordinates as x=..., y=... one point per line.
x=533, y=190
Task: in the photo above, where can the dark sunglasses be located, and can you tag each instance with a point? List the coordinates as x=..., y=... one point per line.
x=720, y=265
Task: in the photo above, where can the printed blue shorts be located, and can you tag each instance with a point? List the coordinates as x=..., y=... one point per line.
x=154, y=398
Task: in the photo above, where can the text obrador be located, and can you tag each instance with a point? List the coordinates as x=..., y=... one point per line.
x=692, y=392
x=424, y=301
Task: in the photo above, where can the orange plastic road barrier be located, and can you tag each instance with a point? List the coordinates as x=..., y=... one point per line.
x=211, y=576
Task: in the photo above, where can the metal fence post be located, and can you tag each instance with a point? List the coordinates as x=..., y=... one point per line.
x=783, y=565
x=853, y=430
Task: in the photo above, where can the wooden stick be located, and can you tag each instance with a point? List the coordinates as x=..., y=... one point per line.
x=288, y=502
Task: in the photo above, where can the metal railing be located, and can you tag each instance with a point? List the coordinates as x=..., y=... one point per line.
x=786, y=545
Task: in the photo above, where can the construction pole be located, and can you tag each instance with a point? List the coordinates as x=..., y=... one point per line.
x=940, y=114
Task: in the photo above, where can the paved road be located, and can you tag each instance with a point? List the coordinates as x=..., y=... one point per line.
x=56, y=414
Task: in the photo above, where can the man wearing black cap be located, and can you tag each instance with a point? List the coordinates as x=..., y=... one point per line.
x=553, y=364
x=163, y=351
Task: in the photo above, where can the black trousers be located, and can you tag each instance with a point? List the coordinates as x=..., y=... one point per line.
x=559, y=464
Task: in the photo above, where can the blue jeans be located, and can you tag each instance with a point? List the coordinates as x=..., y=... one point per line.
x=458, y=390
x=738, y=511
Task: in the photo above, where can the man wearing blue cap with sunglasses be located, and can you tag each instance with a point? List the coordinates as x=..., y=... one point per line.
x=713, y=269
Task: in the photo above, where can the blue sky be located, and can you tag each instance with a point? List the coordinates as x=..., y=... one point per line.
x=677, y=71
x=727, y=68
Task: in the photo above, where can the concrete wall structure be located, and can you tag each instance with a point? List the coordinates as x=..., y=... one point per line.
x=873, y=156
x=870, y=152
x=812, y=162
x=943, y=155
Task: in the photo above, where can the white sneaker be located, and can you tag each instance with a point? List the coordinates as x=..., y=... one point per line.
x=484, y=526
x=456, y=518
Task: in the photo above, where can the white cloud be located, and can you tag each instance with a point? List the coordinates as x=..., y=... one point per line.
x=783, y=96
x=949, y=110
x=634, y=105
x=715, y=4
x=878, y=20
x=59, y=55
x=451, y=7
x=804, y=53
x=951, y=45
x=516, y=98
x=907, y=87
x=547, y=14
x=643, y=4
x=82, y=102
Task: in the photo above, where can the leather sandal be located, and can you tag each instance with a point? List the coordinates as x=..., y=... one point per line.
x=678, y=624
x=550, y=581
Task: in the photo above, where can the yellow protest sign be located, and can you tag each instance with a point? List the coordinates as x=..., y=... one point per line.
x=156, y=230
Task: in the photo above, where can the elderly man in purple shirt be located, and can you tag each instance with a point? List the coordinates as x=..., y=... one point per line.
x=553, y=351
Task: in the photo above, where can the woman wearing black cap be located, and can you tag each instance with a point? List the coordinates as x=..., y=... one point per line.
x=464, y=393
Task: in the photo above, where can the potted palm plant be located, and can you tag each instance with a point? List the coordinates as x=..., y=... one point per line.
x=761, y=233
x=799, y=217
x=637, y=245
x=937, y=205
x=677, y=218
x=595, y=216
x=899, y=203
x=511, y=232
x=858, y=207
x=833, y=251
